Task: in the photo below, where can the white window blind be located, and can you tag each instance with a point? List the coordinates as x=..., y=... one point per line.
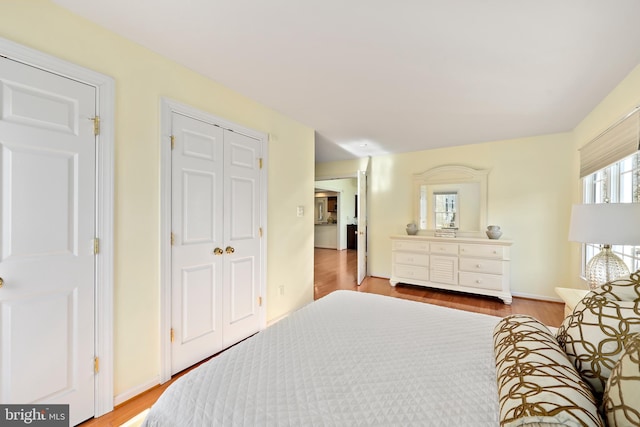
x=617, y=142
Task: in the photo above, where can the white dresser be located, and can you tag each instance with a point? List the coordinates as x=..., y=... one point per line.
x=473, y=265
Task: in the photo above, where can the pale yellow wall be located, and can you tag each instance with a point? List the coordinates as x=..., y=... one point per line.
x=529, y=196
x=613, y=107
x=340, y=169
x=532, y=184
x=142, y=78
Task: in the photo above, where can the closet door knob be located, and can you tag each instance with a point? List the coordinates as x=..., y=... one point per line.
x=230, y=250
x=1, y=282
x=217, y=251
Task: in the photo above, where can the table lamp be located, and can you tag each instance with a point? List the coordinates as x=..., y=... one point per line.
x=605, y=224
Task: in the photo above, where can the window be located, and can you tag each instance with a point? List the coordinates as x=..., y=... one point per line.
x=618, y=183
x=445, y=208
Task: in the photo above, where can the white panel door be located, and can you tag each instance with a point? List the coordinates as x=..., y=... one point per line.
x=196, y=221
x=242, y=236
x=362, y=226
x=47, y=150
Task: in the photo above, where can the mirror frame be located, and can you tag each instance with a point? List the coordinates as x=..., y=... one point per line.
x=452, y=174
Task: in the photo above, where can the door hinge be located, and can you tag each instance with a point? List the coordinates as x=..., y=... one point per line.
x=96, y=246
x=260, y=161
x=96, y=125
x=173, y=239
x=173, y=335
x=259, y=301
x=96, y=365
x=260, y=231
x=173, y=142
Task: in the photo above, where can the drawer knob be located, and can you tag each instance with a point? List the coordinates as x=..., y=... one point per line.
x=478, y=281
x=479, y=265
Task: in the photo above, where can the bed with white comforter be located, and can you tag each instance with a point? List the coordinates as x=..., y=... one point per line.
x=347, y=359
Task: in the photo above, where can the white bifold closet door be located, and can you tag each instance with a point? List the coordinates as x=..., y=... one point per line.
x=215, y=239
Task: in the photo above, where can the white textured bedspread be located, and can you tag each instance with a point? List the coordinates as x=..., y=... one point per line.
x=348, y=359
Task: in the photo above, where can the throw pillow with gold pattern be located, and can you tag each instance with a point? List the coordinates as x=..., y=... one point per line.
x=623, y=289
x=621, y=402
x=593, y=335
x=537, y=384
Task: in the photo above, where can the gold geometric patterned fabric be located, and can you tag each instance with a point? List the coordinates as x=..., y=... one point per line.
x=593, y=335
x=537, y=384
x=622, y=289
x=621, y=402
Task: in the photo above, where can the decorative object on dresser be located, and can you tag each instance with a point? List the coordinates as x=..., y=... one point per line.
x=477, y=266
x=445, y=232
x=494, y=232
x=412, y=229
x=605, y=224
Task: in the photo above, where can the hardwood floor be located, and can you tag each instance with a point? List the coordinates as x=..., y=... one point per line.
x=337, y=270
x=129, y=409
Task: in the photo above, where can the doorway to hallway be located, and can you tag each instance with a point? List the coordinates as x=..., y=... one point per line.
x=350, y=217
x=334, y=270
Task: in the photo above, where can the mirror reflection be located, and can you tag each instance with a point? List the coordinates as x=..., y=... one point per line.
x=444, y=209
x=451, y=197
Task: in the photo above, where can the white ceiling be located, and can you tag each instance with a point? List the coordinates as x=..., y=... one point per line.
x=374, y=77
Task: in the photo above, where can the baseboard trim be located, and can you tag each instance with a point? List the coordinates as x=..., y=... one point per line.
x=515, y=294
x=277, y=319
x=536, y=297
x=134, y=391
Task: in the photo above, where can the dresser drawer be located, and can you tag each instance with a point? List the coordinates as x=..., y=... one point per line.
x=411, y=272
x=411, y=258
x=405, y=245
x=479, y=280
x=444, y=269
x=479, y=265
x=484, y=251
x=444, y=248
x=467, y=264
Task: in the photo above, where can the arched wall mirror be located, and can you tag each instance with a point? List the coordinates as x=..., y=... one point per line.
x=451, y=197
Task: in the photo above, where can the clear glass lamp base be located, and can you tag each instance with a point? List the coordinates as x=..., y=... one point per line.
x=604, y=267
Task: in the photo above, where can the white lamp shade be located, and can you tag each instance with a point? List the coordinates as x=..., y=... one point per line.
x=606, y=223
